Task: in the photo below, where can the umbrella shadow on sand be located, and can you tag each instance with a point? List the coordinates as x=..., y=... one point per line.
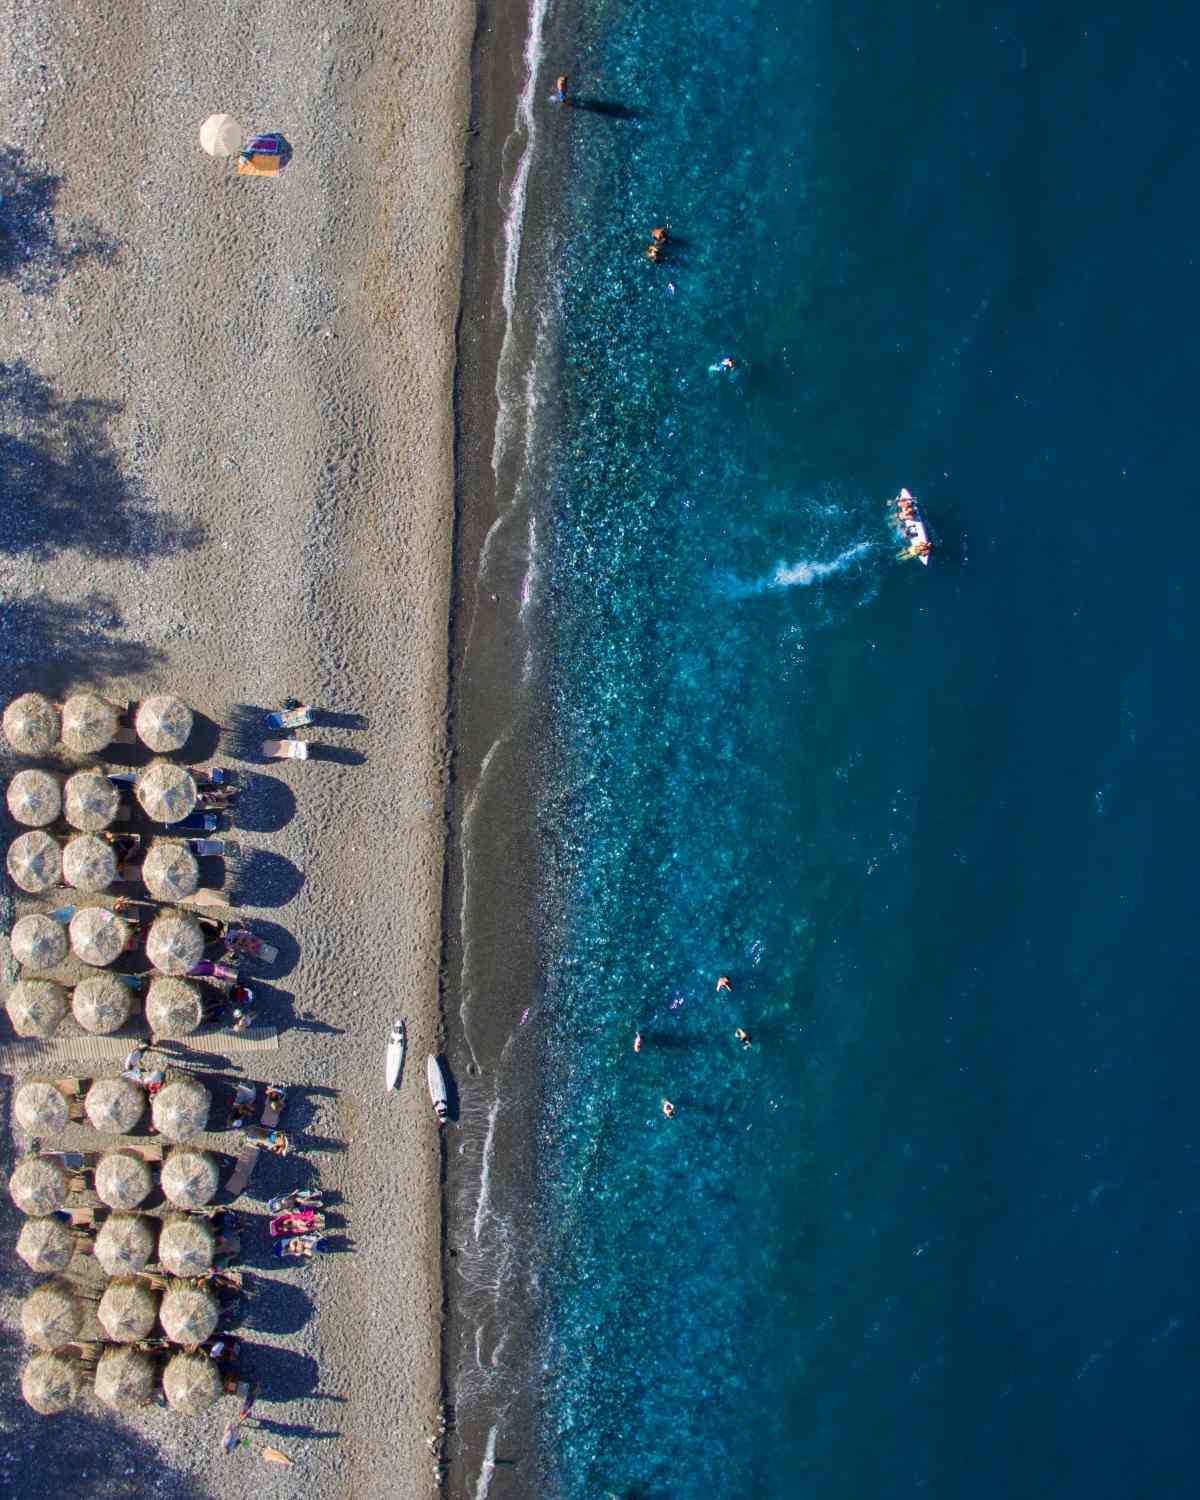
x=279, y=1307
x=265, y=805
x=278, y=1008
x=260, y=877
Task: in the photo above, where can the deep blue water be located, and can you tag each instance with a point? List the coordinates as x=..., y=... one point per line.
x=937, y=1231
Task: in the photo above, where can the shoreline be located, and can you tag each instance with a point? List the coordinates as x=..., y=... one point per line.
x=250, y=496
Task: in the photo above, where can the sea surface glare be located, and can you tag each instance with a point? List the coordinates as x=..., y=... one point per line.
x=936, y=1231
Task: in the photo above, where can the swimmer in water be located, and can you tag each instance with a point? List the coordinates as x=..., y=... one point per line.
x=728, y=364
x=654, y=252
x=560, y=89
x=724, y=984
x=668, y=1109
x=743, y=1036
x=670, y=288
x=659, y=235
x=637, y=1041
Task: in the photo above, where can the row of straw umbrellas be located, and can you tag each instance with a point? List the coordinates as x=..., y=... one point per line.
x=122, y=1180
x=116, y=1106
x=124, y=1245
x=122, y=1378
x=87, y=723
x=131, y=1309
x=98, y=935
x=90, y=800
x=101, y=1005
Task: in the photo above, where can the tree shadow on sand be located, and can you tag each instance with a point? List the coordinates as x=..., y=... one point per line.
x=54, y=646
x=63, y=486
x=31, y=252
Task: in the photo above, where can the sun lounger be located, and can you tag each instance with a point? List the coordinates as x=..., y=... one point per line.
x=259, y=166
x=285, y=749
x=243, y=1170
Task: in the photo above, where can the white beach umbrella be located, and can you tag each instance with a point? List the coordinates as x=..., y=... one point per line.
x=221, y=135
x=52, y=1382
x=35, y=798
x=35, y=862
x=90, y=801
x=123, y=1179
x=38, y=1186
x=164, y=723
x=36, y=1006
x=125, y=1243
x=115, y=1105
x=98, y=935
x=101, y=1004
x=88, y=863
x=175, y=942
x=170, y=871
x=89, y=723
x=31, y=724
x=39, y=941
x=46, y=1244
x=42, y=1107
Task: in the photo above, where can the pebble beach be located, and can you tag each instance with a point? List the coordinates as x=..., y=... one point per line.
x=228, y=453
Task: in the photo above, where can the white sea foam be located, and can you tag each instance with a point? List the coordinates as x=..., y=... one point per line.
x=487, y=1469
x=470, y=813
x=485, y=1170
x=801, y=574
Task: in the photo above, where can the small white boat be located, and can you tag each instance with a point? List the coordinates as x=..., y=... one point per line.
x=437, y=1089
x=912, y=529
x=394, y=1061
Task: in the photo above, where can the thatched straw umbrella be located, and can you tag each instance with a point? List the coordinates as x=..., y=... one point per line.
x=175, y=942
x=31, y=724
x=52, y=1382
x=125, y=1243
x=41, y=1106
x=189, y=1178
x=180, y=1109
x=173, y=1008
x=36, y=1006
x=46, y=1245
x=191, y=1383
x=126, y=1378
x=164, y=723
x=35, y=862
x=98, y=935
x=123, y=1180
x=39, y=941
x=89, y=723
x=186, y=1246
x=38, y=1186
x=128, y=1310
x=35, y=798
x=188, y=1314
x=166, y=791
x=90, y=801
x=101, y=1004
x=51, y=1316
x=170, y=871
x=115, y=1105
x=88, y=863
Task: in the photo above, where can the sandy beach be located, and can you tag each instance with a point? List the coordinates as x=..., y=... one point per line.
x=228, y=449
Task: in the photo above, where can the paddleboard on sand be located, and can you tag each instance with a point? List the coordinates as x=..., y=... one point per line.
x=395, y=1055
x=437, y=1088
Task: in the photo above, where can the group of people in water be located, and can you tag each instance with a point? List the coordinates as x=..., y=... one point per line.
x=907, y=519
x=740, y=1035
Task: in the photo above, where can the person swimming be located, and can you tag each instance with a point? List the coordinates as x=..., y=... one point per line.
x=724, y=984
x=668, y=1109
x=637, y=1041
x=561, y=93
x=743, y=1036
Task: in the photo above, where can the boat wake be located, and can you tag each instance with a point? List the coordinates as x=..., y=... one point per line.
x=801, y=574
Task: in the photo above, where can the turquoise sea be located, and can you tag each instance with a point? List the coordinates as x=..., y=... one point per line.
x=936, y=1232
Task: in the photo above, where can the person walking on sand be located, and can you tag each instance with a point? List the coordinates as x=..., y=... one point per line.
x=743, y=1036
x=668, y=1109
x=724, y=984
x=637, y=1041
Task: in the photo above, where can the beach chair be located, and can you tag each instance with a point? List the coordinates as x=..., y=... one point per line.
x=73, y=1090
x=242, y=941
x=243, y=1170
x=285, y=749
x=296, y=716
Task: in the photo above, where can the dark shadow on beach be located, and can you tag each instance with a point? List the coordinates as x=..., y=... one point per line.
x=244, y=731
x=279, y=1307
x=610, y=109
x=328, y=720
x=32, y=253
x=53, y=647
x=260, y=877
x=63, y=484
x=265, y=805
x=338, y=755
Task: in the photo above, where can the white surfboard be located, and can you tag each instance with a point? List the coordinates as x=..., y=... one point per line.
x=394, y=1061
x=437, y=1088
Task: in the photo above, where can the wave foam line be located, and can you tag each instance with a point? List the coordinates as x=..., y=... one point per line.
x=514, y=217
x=797, y=575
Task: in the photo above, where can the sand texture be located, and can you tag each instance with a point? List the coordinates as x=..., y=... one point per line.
x=228, y=472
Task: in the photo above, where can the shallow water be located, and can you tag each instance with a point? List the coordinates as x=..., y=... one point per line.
x=934, y=1231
